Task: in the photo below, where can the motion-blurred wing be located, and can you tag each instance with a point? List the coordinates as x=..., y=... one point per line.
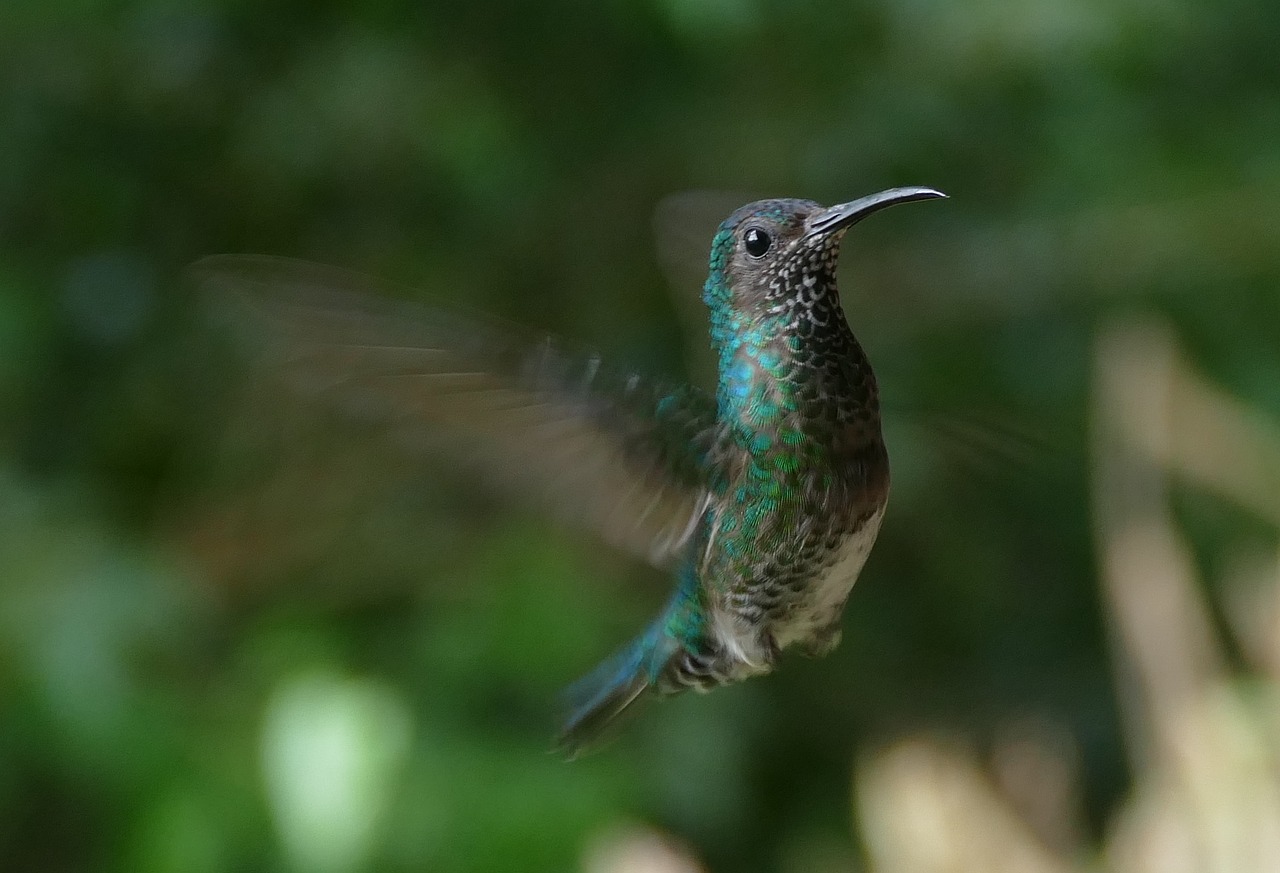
x=683, y=227
x=607, y=450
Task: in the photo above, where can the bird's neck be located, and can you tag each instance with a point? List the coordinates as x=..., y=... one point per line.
x=790, y=379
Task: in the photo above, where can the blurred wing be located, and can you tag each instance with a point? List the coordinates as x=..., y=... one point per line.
x=683, y=227
x=993, y=443
x=605, y=449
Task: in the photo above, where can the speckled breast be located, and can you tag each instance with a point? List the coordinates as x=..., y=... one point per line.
x=811, y=616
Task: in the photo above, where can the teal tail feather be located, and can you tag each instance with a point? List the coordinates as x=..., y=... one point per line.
x=596, y=701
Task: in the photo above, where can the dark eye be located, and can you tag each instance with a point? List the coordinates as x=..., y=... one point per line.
x=756, y=241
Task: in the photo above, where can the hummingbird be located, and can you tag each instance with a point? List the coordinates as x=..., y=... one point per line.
x=762, y=498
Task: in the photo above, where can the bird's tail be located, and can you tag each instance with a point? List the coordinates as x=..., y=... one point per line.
x=598, y=699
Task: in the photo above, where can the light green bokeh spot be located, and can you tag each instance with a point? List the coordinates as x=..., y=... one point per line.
x=332, y=749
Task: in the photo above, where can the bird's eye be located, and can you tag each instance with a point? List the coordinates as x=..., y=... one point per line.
x=756, y=241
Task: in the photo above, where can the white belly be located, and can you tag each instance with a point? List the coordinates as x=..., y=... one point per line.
x=831, y=588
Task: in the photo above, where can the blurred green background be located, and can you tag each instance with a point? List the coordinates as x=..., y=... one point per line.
x=237, y=633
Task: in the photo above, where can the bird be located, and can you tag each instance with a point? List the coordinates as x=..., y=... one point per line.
x=762, y=498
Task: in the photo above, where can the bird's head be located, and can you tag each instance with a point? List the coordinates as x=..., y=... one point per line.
x=777, y=258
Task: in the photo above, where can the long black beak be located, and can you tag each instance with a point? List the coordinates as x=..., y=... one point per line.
x=845, y=215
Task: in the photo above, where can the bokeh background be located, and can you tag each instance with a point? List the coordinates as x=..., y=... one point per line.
x=240, y=633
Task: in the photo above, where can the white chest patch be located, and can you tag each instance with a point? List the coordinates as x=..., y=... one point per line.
x=831, y=588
